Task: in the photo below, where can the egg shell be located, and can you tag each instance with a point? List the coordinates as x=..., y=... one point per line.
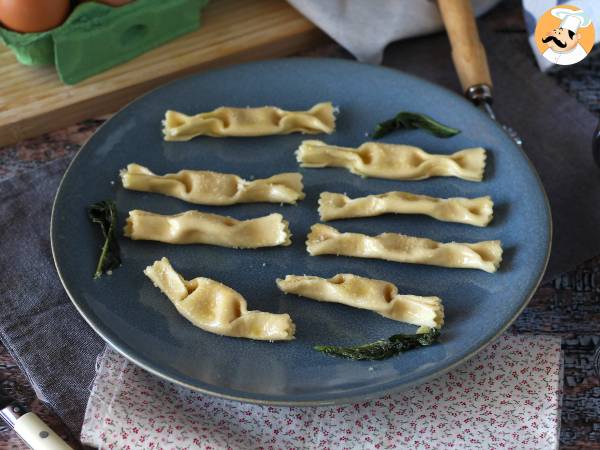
x=31, y=16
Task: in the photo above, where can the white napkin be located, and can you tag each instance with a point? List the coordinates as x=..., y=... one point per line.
x=508, y=396
x=364, y=28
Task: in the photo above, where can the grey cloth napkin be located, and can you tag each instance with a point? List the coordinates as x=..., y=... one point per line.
x=58, y=350
x=39, y=326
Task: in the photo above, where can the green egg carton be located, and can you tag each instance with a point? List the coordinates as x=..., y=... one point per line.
x=96, y=37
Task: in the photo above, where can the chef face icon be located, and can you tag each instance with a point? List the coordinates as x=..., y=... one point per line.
x=564, y=33
x=561, y=40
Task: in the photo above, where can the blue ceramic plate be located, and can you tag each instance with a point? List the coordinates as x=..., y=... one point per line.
x=136, y=319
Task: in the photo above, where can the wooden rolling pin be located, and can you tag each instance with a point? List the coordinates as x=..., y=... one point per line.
x=468, y=53
x=470, y=60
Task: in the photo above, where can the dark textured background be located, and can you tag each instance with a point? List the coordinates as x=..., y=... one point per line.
x=568, y=306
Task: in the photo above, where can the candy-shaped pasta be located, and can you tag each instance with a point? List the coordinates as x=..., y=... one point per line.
x=392, y=161
x=366, y=293
x=262, y=121
x=472, y=211
x=217, y=308
x=194, y=227
x=326, y=240
x=212, y=188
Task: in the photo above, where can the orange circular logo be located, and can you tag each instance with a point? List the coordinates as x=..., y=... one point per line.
x=565, y=35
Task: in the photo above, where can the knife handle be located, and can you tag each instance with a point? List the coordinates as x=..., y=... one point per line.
x=468, y=54
x=34, y=432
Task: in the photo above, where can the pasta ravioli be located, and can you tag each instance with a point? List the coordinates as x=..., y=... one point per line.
x=217, y=308
x=391, y=161
x=472, y=211
x=326, y=240
x=266, y=120
x=194, y=227
x=212, y=188
x=366, y=293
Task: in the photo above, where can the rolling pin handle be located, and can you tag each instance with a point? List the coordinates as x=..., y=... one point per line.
x=468, y=53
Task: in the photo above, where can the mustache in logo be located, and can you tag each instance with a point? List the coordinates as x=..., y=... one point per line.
x=555, y=40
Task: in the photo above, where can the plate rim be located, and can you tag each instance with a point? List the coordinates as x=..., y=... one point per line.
x=341, y=400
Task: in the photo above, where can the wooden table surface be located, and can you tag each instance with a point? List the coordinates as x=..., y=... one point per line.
x=568, y=306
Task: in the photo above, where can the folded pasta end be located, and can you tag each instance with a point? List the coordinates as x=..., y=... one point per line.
x=325, y=113
x=135, y=216
x=331, y=206
x=319, y=233
x=438, y=310
x=128, y=228
x=472, y=161
x=287, y=330
x=290, y=331
x=487, y=210
x=499, y=251
x=263, y=326
x=172, y=123
x=288, y=284
x=124, y=175
x=286, y=234
x=280, y=282
x=310, y=154
x=416, y=310
x=322, y=208
x=300, y=187
x=284, y=187
x=490, y=253
x=439, y=318
x=133, y=175
x=165, y=278
x=481, y=163
x=300, y=152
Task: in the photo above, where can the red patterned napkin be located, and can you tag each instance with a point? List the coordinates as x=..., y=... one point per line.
x=506, y=397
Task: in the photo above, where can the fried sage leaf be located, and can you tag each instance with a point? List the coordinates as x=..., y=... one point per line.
x=382, y=349
x=406, y=120
x=105, y=215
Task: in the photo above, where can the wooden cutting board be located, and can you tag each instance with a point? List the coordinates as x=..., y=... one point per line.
x=34, y=101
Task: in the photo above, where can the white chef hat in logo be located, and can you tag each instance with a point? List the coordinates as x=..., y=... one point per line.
x=570, y=19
